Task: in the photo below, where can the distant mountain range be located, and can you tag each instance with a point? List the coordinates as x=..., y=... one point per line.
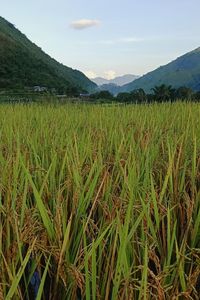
x=23, y=64
x=119, y=81
x=184, y=71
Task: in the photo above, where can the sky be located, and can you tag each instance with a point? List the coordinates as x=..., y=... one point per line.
x=108, y=37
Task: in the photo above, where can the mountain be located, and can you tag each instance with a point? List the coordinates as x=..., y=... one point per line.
x=23, y=64
x=100, y=81
x=111, y=87
x=120, y=80
x=184, y=71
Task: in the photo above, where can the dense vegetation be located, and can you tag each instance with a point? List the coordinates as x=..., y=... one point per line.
x=162, y=93
x=24, y=65
x=100, y=202
x=184, y=71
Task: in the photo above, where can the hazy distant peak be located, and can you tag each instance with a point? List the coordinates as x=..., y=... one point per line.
x=119, y=80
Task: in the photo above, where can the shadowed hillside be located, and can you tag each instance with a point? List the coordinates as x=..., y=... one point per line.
x=23, y=64
x=184, y=71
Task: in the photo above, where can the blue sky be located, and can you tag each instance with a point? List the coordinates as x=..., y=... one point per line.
x=118, y=36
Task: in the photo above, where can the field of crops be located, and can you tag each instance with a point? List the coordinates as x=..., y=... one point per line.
x=100, y=202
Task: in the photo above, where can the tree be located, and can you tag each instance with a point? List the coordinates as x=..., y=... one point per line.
x=196, y=96
x=138, y=96
x=102, y=95
x=184, y=93
x=150, y=98
x=73, y=91
x=124, y=97
x=163, y=93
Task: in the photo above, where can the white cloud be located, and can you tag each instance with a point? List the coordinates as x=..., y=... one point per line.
x=90, y=74
x=84, y=23
x=109, y=74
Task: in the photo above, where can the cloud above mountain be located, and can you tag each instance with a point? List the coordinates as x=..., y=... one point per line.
x=84, y=24
x=110, y=74
x=90, y=74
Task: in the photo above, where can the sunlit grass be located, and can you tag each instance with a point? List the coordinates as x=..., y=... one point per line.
x=100, y=202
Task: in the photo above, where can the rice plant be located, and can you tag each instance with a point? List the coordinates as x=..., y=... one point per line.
x=100, y=202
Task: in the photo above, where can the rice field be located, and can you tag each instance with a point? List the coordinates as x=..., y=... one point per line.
x=100, y=202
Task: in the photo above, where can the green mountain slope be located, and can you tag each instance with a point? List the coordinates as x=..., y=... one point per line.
x=184, y=71
x=23, y=64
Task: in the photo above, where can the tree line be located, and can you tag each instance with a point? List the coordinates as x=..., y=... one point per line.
x=162, y=93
